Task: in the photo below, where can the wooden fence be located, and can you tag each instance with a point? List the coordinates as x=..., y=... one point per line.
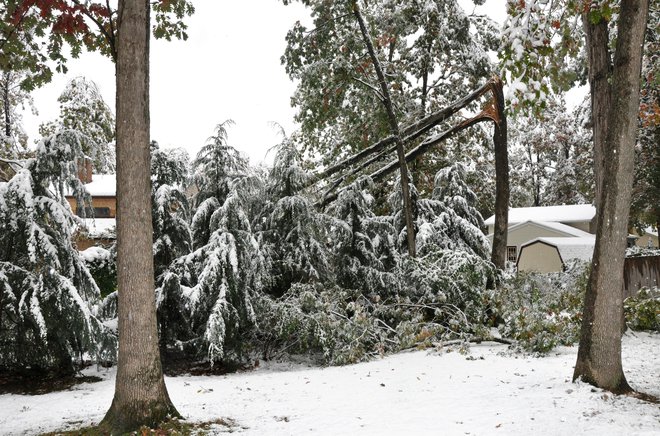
x=640, y=272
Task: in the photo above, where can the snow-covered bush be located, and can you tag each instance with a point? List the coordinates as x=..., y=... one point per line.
x=636, y=251
x=453, y=283
x=541, y=311
x=48, y=297
x=643, y=310
x=348, y=325
x=327, y=321
x=102, y=265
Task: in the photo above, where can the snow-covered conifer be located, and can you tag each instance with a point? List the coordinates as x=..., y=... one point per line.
x=48, y=303
x=364, y=245
x=13, y=138
x=449, y=219
x=211, y=289
x=172, y=237
x=169, y=167
x=216, y=166
x=83, y=109
x=295, y=236
x=170, y=209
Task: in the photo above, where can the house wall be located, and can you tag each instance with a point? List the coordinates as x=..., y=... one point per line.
x=539, y=257
x=83, y=243
x=526, y=233
x=585, y=226
x=643, y=241
x=109, y=202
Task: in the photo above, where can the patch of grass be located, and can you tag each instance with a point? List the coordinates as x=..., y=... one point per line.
x=39, y=383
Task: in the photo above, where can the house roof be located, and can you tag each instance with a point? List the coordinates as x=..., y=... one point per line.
x=562, y=214
x=99, y=227
x=569, y=248
x=558, y=227
x=102, y=185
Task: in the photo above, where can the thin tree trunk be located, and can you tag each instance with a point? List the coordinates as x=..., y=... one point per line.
x=6, y=105
x=599, y=353
x=141, y=397
x=394, y=127
x=500, y=229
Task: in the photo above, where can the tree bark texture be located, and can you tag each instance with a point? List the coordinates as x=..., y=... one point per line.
x=599, y=353
x=600, y=73
x=394, y=127
x=141, y=397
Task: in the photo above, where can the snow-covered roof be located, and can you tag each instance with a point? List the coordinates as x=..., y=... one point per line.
x=651, y=231
x=102, y=185
x=561, y=214
x=99, y=227
x=569, y=248
x=559, y=227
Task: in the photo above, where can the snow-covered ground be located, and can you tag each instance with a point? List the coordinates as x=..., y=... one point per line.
x=486, y=392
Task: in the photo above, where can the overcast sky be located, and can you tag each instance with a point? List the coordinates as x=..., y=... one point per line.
x=228, y=68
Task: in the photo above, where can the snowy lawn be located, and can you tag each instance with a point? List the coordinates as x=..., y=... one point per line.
x=485, y=392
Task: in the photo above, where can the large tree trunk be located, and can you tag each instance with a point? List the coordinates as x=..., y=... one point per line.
x=394, y=127
x=141, y=397
x=599, y=353
x=600, y=72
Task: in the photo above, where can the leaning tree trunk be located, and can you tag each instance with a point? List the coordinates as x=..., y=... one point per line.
x=599, y=353
x=394, y=127
x=141, y=397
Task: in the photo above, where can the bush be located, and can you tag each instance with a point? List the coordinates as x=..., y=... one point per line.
x=541, y=311
x=643, y=310
x=441, y=299
x=102, y=265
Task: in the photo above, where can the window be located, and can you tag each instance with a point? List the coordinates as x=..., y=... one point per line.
x=97, y=212
x=511, y=253
x=102, y=212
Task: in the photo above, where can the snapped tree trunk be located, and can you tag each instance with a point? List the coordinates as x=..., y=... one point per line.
x=141, y=397
x=599, y=353
x=394, y=127
x=500, y=229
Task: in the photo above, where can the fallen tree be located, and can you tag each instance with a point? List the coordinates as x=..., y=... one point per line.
x=493, y=112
